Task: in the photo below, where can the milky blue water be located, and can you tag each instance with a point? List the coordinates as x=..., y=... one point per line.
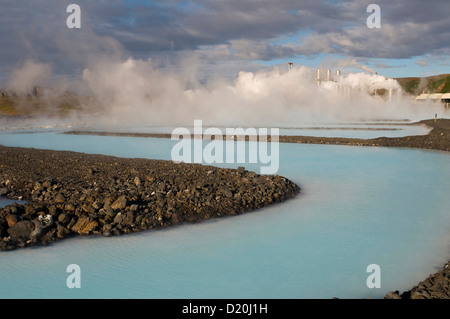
x=358, y=206
x=6, y=201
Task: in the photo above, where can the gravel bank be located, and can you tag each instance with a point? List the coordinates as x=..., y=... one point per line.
x=437, y=139
x=436, y=286
x=81, y=194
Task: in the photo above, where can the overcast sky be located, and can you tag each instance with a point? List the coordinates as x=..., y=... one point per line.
x=228, y=35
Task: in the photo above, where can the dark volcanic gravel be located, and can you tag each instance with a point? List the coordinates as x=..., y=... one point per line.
x=436, y=286
x=437, y=139
x=79, y=194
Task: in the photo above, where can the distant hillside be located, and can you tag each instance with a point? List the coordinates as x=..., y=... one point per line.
x=11, y=105
x=433, y=84
x=44, y=102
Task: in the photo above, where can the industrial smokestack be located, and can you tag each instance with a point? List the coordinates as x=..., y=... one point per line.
x=290, y=66
x=318, y=76
x=328, y=75
x=338, y=79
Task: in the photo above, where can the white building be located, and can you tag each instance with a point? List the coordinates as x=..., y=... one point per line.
x=443, y=98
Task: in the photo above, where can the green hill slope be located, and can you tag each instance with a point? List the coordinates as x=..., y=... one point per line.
x=433, y=84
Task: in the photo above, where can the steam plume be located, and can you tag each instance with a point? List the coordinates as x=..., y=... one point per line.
x=138, y=92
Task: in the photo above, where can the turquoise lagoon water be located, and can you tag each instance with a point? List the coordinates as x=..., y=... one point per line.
x=358, y=206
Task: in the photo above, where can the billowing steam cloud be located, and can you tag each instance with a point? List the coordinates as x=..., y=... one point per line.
x=136, y=91
x=30, y=74
x=354, y=63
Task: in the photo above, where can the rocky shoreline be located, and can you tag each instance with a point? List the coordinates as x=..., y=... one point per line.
x=437, y=139
x=73, y=194
x=436, y=286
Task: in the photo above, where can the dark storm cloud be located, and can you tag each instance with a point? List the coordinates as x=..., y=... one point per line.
x=37, y=30
x=178, y=26
x=226, y=29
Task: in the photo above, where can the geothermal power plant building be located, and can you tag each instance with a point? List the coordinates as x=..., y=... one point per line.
x=328, y=76
x=345, y=89
x=443, y=98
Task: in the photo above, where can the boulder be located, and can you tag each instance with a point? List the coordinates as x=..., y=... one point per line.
x=109, y=212
x=421, y=294
x=161, y=186
x=21, y=229
x=11, y=220
x=225, y=191
x=84, y=225
x=118, y=218
x=48, y=183
x=128, y=218
x=120, y=203
x=60, y=198
x=392, y=295
x=61, y=231
x=30, y=210
x=64, y=218
x=38, y=187
x=37, y=231
x=69, y=207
